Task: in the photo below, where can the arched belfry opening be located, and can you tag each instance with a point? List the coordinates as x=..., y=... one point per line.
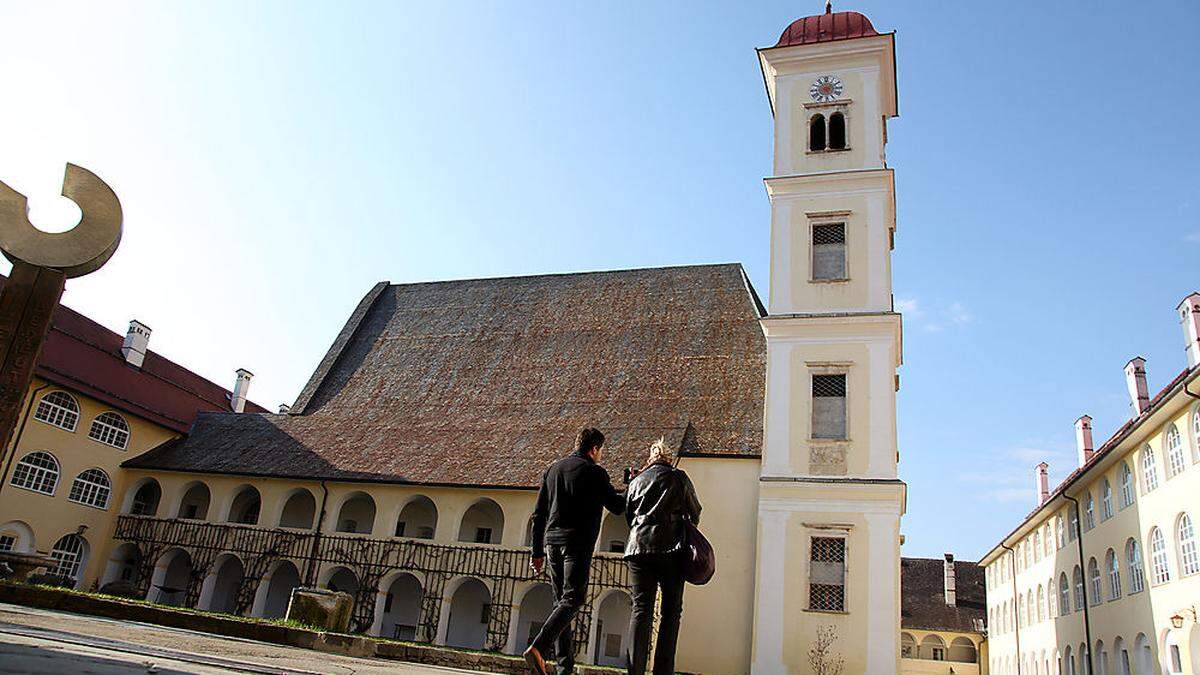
x=816, y=132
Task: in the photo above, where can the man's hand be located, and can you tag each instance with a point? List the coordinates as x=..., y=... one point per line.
x=536, y=563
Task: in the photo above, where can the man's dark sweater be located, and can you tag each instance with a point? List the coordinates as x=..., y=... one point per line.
x=573, y=493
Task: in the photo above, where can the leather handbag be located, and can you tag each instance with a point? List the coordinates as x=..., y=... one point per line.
x=700, y=562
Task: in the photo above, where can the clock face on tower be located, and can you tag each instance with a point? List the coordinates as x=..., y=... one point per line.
x=825, y=88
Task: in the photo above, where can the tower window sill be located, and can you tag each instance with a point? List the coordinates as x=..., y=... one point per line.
x=829, y=281
x=827, y=151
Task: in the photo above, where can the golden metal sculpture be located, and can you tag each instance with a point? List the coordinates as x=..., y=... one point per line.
x=42, y=262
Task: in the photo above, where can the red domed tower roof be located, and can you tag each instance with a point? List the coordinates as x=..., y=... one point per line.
x=826, y=27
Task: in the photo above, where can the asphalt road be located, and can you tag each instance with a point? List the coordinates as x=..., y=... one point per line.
x=54, y=643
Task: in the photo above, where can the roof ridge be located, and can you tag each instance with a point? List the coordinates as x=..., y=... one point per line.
x=568, y=274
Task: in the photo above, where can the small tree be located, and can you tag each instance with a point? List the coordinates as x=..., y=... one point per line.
x=821, y=657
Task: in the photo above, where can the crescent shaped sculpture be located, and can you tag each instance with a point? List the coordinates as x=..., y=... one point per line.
x=77, y=251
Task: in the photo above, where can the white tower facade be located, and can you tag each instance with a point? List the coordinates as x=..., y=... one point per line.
x=830, y=499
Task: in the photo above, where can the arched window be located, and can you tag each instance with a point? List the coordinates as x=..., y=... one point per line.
x=816, y=132
x=1060, y=533
x=1064, y=595
x=1114, y=574
x=1041, y=604
x=37, y=471
x=1046, y=545
x=1037, y=545
x=1089, y=512
x=908, y=646
x=91, y=488
x=1106, y=503
x=58, y=408
x=1133, y=555
x=1175, y=461
x=1021, y=621
x=1127, y=493
x=1051, y=604
x=1077, y=578
x=962, y=650
x=1189, y=563
x=1160, y=570
x=1030, y=612
x=111, y=429
x=69, y=554
x=1196, y=435
x=933, y=647
x=837, y=131
x=1072, y=523
x=1149, y=469
x=1094, y=584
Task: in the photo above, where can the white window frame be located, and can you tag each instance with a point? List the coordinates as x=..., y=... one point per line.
x=1095, y=583
x=1160, y=561
x=1173, y=441
x=815, y=370
x=68, y=562
x=1128, y=492
x=1089, y=512
x=1106, y=500
x=1113, y=563
x=1185, y=536
x=37, y=477
x=110, y=429
x=1137, y=575
x=58, y=409
x=92, y=487
x=1149, y=470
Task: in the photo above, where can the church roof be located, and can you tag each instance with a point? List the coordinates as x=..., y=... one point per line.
x=923, y=596
x=826, y=27
x=485, y=382
x=83, y=356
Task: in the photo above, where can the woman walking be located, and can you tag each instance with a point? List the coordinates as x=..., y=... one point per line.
x=657, y=504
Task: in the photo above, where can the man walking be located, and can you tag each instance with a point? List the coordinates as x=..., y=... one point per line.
x=565, y=523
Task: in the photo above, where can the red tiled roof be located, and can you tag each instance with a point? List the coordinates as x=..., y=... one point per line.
x=923, y=596
x=826, y=28
x=84, y=356
x=484, y=382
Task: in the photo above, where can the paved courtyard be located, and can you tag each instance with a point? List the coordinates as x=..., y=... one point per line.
x=44, y=641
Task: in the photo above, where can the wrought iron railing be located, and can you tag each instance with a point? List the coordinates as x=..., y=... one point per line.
x=259, y=548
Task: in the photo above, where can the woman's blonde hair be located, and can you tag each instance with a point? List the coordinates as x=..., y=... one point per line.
x=659, y=452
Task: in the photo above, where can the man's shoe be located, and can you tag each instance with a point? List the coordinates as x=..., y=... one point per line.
x=537, y=665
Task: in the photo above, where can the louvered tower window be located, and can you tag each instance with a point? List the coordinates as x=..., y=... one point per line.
x=829, y=406
x=827, y=574
x=829, y=252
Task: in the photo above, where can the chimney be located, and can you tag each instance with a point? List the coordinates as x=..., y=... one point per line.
x=136, y=342
x=240, y=387
x=1189, y=316
x=1043, y=482
x=1135, y=380
x=1083, y=439
x=284, y=408
x=948, y=575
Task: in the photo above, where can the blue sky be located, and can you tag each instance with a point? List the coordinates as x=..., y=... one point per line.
x=276, y=159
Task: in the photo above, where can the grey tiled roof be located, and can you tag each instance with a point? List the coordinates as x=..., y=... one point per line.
x=923, y=595
x=484, y=382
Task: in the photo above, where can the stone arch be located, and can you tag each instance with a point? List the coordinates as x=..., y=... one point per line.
x=219, y=591
x=465, y=613
x=928, y=644
x=123, y=565
x=908, y=646
x=1143, y=654
x=962, y=650
x=531, y=610
x=142, y=498
x=610, y=638
x=194, y=501
x=244, y=507
x=1194, y=636
x=171, y=578
x=341, y=578
x=22, y=534
x=71, y=554
x=418, y=518
x=275, y=590
x=356, y=514
x=398, y=606
x=482, y=523
x=614, y=533
x=298, y=510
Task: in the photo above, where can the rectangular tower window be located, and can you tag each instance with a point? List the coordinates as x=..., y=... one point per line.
x=829, y=406
x=829, y=252
x=827, y=574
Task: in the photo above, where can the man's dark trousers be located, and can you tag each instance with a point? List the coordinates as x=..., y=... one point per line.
x=650, y=572
x=569, y=568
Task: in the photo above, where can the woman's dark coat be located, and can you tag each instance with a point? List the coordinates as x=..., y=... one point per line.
x=657, y=502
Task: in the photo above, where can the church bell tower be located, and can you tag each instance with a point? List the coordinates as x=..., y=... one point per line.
x=830, y=500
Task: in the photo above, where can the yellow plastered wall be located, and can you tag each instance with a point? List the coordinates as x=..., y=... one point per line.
x=49, y=517
x=916, y=665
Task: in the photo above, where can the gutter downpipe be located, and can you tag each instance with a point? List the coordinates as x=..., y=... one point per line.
x=1012, y=561
x=17, y=439
x=1087, y=617
x=310, y=573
